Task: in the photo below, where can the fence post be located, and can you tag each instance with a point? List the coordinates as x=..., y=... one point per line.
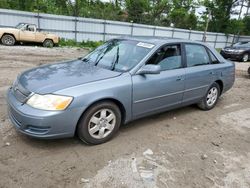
x=227, y=39
x=189, y=35
x=173, y=33
x=104, y=30
x=154, y=30
x=132, y=28
x=38, y=21
x=75, y=28
x=216, y=36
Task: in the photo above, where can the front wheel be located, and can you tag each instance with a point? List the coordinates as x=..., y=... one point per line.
x=99, y=123
x=8, y=40
x=48, y=43
x=211, y=98
x=245, y=57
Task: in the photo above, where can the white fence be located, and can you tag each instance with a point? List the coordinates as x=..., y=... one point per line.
x=80, y=29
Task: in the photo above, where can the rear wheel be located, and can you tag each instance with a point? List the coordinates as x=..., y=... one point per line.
x=211, y=98
x=48, y=43
x=8, y=40
x=99, y=123
x=245, y=57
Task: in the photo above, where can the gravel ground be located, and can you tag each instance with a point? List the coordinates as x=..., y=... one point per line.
x=180, y=148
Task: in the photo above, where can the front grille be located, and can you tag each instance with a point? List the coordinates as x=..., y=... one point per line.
x=20, y=92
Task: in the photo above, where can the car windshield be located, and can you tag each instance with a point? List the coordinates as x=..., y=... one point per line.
x=243, y=44
x=20, y=25
x=119, y=54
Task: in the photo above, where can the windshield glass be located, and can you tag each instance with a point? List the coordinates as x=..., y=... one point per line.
x=238, y=44
x=119, y=54
x=20, y=25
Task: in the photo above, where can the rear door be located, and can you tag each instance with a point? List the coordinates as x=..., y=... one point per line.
x=199, y=72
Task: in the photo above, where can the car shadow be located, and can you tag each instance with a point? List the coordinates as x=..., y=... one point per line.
x=146, y=122
x=167, y=115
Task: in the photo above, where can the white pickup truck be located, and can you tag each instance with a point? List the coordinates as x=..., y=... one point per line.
x=25, y=32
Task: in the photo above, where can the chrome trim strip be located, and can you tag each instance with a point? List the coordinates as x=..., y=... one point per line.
x=196, y=88
x=161, y=96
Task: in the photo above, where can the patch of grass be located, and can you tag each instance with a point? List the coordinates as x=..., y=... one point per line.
x=218, y=49
x=83, y=44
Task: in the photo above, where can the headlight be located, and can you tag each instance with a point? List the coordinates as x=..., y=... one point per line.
x=239, y=51
x=49, y=102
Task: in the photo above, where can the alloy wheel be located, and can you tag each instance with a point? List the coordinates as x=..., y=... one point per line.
x=212, y=96
x=102, y=123
x=8, y=40
x=245, y=57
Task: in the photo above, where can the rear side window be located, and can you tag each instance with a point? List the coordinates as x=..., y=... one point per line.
x=214, y=60
x=196, y=55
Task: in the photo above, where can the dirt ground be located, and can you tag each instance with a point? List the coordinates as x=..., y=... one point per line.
x=181, y=148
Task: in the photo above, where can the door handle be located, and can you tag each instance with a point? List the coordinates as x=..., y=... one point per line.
x=212, y=73
x=179, y=78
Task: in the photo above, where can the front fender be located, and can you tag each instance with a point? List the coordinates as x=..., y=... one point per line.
x=117, y=88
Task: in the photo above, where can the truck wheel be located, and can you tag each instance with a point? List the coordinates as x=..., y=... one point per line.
x=8, y=40
x=211, y=98
x=99, y=123
x=48, y=43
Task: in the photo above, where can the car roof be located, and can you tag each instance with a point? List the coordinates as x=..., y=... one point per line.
x=243, y=41
x=160, y=40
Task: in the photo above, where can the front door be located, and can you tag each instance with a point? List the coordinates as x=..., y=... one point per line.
x=28, y=33
x=158, y=92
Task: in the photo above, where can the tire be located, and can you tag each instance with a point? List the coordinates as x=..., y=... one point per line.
x=210, y=100
x=248, y=70
x=8, y=40
x=245, y=57
x=48, y=43
x=104, y=119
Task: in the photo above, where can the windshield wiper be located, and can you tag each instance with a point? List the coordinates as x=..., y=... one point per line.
x=116, y=59
x=100, y=58
x=84, y=59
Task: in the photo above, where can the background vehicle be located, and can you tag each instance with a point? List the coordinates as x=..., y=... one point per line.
x=239, y=51
x=25, y=32
x=122, y=80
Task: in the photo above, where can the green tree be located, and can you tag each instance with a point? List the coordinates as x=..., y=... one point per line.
x=221, y=11
x=137, y=10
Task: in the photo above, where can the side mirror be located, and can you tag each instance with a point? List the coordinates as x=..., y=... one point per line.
x=150, y=69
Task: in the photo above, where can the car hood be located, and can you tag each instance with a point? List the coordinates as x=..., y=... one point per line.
x=10, y=29
x=51, y=78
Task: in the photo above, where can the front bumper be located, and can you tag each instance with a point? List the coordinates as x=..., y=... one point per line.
x=40, y=123
x=233, y=56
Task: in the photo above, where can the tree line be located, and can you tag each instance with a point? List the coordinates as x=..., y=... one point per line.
x=173, y=13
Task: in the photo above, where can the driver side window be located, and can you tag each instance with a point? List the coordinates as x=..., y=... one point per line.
x=168, y=57
x=30, y=28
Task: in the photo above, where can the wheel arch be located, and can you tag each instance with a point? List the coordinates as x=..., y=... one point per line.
x=220, y=83
x=9, y=34
x=108, y=99
x=47, y=38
